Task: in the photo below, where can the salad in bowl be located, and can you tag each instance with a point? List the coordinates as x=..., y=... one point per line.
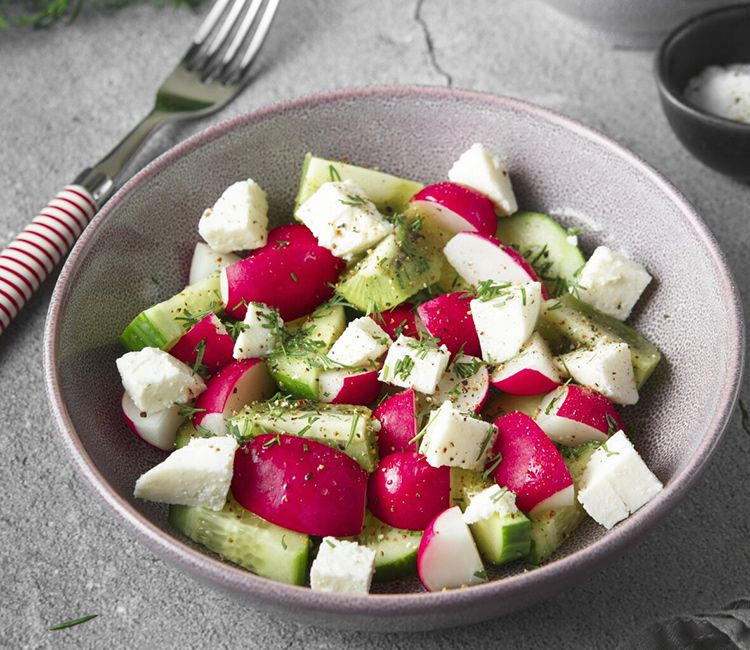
x=404, y=379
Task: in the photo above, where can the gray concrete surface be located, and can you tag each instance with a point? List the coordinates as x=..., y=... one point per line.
x=70, y=93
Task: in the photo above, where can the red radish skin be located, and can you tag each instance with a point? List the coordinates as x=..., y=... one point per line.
x=407, y=492
x=301, y=485
x=526, y=382
x=448, y=557
x=217, y=349
x=346, y=387
x=397, y=415
x=531, y=465
x=456, y=208
x=448, y=318
x=234, y=386
x=291, y=273
x=574, y=414
x=401, y=319
x=478, y=257
x=157, y=430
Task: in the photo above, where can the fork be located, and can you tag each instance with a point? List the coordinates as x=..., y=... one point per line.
x=212, y=72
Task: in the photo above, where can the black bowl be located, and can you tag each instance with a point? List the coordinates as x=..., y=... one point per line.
x=718, y=37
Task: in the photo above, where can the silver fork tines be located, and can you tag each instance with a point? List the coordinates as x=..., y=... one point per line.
x=229, y=38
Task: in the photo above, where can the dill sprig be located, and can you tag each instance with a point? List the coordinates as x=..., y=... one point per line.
x=46, y=13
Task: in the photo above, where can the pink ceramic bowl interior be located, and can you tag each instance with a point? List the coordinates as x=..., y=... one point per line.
x=137, y=252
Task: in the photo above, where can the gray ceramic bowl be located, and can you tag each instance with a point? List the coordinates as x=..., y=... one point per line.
x=137, y=251
x=632, y=23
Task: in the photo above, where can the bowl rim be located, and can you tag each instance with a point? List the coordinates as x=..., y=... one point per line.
x=665, y=83
x=546, y=579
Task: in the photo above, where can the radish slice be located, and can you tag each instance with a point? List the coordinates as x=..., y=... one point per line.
x=301, y=484
x=448, y=318
x=398, y=422
x=157, y=429
x=531, y=372
x=207, y=261
x=531, y=465
x=209, y=335
x=448, y=557
x=479, y=257
x=456, y=208
x=399, y=320
x=349, y=387
x=234, y=386
x=572, y=415
x=466, y=383
x=291, y=272
x=407, y=492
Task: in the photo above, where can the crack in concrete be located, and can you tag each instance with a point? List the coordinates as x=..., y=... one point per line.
x=430, y=45
x=745, y=420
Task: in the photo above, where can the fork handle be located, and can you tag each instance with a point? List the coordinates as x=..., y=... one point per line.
x=42, y=245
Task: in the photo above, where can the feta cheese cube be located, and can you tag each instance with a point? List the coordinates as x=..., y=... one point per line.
x=494, y=500
x=196, y=475
x=343, y=219
x=607, y=368
x=616, y=482
x=361, y=344
x=612, y=283
x=456, y=439
x=504, y=323
x=411, y=363
x=633, y=481
x=262, y=333
x=600, y=500
x=342, y=567
x=478, y=168
x=155, y=380
x=238, y=220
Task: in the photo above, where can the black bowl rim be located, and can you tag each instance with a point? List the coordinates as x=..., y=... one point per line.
x=667, y=87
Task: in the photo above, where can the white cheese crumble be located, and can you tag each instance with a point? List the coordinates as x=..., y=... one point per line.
x=411, y=363
x=494, y=500
x=262, y=331
x=361, y=344
x=479, y=168
x=723, y=91
x=455, y=439
x=196, y=475
x=342, y=567
x=155, y=380
x=238, y=220
x=612, y=283
x=343, y=219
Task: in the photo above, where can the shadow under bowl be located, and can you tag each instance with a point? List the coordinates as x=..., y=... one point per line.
x=719, y=37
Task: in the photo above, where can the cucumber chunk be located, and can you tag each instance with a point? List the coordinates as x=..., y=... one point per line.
x=185, y=433
x=340, y=426
x=544, y=243
x=569, y=323
x=400, y=265
x=550, y=529
x=246, y=539
x=159, y=327
x=296, y=366
x=390, y=194
x=499, y=539
x=395, y=548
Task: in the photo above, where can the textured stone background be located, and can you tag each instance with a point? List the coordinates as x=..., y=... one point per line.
x=69, y=94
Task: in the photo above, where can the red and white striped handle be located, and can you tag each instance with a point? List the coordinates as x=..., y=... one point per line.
x=43, y=244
